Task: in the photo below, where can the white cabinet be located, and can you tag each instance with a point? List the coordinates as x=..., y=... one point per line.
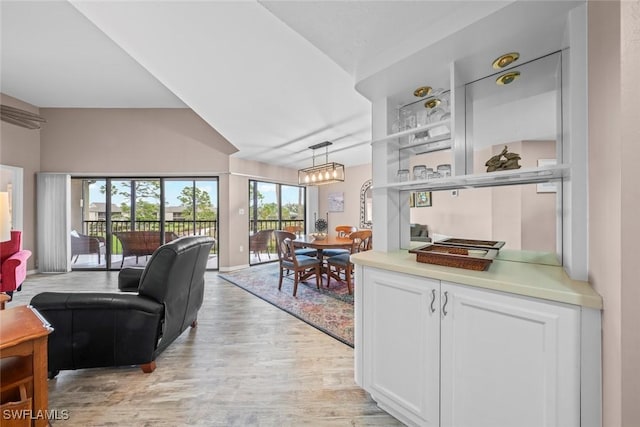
x=508, y=360
x=441, y=354
x=401, y=345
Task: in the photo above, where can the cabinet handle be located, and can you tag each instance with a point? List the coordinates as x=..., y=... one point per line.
x=433, y=300
x=446, y=301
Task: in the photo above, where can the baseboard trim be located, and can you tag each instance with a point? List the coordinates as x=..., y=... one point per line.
x=233, y=268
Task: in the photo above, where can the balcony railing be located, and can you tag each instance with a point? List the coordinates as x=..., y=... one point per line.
x=270, y=224
x=273, y=224
x=181, y=228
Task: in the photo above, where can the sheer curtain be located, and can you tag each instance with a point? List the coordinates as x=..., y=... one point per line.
x=54, y=220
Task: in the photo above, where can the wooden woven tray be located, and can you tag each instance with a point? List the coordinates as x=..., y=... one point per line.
x=452, y=256
x=470, y=243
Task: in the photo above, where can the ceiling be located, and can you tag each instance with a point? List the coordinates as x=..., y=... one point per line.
x=273, y=77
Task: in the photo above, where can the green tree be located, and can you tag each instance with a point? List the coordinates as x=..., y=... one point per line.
x=268, y=211
x=290, y=211
x=203, y=205
x=147, y=197
x=147, y=211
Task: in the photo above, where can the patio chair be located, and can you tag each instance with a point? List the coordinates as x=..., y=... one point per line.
x=141, y=243
x=259, y=242
x=82, y=244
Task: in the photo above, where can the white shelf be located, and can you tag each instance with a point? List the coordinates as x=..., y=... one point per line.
x=422, y=146
x=490, y=179
x=413, y=131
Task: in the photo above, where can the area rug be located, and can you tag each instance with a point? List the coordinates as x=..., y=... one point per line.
x=329, y=309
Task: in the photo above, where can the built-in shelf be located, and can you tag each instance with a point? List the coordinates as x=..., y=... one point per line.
x=428, y=145
x=413, y=131
x=491, y=179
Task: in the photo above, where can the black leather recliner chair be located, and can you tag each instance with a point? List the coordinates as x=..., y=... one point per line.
x=117, y=329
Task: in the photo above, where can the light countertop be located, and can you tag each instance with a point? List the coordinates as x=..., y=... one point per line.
x=548, y=282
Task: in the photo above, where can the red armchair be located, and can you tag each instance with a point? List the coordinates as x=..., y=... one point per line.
x=13, y=263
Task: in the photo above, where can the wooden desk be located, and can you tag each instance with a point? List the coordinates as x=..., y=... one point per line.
x=4, y=298
x=23, y=343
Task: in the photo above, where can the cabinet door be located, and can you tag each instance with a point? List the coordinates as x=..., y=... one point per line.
x=401, y=334
x=508, y=360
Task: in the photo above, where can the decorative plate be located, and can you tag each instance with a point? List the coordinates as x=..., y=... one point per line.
x=321, y=225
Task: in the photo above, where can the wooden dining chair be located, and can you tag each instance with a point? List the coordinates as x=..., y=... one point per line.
x=302, y=265
x=342, y=231
x=295, y=229
x=342, y=264
x=345, y=230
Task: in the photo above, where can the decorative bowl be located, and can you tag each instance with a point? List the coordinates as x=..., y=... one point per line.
x=319, y=236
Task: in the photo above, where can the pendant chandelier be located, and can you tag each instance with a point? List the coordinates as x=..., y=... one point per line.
x=326, y=173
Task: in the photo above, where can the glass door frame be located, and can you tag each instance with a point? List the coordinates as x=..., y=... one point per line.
x=108, y=180
x=254, y=222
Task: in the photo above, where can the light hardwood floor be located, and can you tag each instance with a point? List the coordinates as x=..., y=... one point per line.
x=246, y=364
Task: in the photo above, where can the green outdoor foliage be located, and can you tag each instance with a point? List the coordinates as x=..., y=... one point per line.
x=203, y=206
x=147, y=195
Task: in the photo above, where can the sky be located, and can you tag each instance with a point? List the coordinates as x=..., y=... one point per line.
x=172, y=190
x=268, y=190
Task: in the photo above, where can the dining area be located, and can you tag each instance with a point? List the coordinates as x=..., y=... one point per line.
x=320, y=256
x=321, y=259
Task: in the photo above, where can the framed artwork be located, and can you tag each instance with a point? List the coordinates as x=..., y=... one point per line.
x=423, y=199
x=336, y=202
x=412, y=200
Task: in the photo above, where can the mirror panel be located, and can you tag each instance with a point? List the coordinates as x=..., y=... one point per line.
x=523, y=216
x=366, y=201
x=523, y=116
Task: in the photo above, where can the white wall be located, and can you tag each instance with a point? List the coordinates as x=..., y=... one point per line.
x=355, y=177
x=236, y=184
x=158, y=142
x=630, y=206
x=614, y=199
x=20, y=147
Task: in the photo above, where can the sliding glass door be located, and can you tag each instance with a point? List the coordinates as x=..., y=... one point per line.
x=88, y=224
x=191, y=208
x=272, y=207
x=130, y=218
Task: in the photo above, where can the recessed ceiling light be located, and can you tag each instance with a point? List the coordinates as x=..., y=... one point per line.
x=507, y=78
x=505, y=60
x=432, y=102
x=422, y=91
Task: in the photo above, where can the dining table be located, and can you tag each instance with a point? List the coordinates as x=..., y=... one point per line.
x=328, y=242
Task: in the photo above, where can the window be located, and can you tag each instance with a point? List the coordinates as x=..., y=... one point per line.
x=273, y=207
x=111, y=209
